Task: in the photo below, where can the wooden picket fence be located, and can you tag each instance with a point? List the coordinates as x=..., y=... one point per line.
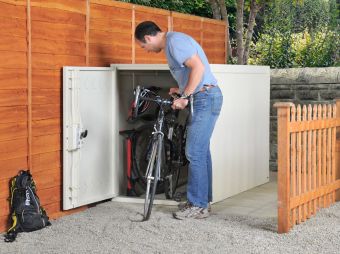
x=308, y=160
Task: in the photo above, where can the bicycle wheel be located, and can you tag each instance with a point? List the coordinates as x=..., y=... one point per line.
x=175, y=162
x=151, y=179
x=142, y=155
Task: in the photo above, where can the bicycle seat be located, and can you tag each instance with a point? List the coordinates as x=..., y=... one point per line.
x=127, y=133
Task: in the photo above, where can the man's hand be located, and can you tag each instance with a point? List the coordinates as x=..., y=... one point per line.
x=180, y=103
x=174, y=90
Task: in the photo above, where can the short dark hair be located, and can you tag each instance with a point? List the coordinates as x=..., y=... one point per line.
x=146, y=28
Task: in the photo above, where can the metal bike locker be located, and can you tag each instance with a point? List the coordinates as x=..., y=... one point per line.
x=96, y=99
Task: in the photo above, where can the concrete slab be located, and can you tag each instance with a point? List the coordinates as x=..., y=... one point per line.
x=258, y=202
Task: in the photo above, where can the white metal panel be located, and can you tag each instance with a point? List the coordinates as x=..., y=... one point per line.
x=240, y=142
x=89, y=166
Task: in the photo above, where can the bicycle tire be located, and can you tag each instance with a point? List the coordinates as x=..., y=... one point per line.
x=171, y=181
x=151, y=180
x=141, y=156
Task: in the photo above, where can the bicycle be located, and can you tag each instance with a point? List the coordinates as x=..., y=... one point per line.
x=163, y=164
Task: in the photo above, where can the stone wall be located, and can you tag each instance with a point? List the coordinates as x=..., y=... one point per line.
x=300, y=86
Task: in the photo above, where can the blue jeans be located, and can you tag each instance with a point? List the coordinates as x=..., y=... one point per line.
x=207, y=107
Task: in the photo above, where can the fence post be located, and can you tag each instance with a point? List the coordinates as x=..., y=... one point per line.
x=337, y=150
x=283, y=177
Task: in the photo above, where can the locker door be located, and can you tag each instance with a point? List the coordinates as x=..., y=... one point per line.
x=88, y=136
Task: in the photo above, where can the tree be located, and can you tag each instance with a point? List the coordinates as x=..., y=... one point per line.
x=298, y=34
x=219, y=10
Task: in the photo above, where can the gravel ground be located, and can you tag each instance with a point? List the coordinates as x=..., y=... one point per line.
x=114, y=228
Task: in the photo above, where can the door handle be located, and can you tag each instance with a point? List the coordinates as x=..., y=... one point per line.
x=83, y=134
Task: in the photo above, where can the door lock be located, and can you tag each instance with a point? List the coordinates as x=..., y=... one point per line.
x=83, y=134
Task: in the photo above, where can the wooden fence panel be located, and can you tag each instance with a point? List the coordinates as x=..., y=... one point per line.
x=109, y=33
x=190, y=25
x=58, y=38
x=38, y=38
x=214, y=40
x=307, y=162
x=162, y=19
x=13, y=97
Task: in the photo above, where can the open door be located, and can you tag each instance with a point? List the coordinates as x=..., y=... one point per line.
x=89, y=125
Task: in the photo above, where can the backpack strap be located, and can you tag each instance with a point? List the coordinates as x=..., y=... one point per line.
x=11, y=234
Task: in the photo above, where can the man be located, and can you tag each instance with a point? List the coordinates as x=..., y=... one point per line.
x=190, y=68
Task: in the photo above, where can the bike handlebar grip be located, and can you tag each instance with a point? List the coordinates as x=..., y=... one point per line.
x=191, y=100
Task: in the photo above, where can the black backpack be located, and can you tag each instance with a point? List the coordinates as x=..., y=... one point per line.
x=26, y=213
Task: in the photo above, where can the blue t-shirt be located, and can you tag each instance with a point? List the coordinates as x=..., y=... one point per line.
x=179, y=48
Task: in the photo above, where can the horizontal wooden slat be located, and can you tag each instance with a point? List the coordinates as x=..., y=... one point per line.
x=211, y=35
x=11, y=167
x=156, y=11
x=220, y=60
x=46, y=96
x=58, y=32
x=111, y=25
x=150, y=60
x=53, y=62
x=110, y=51
x=112, y=3
x=44, y=144
x=44, y=161
x=49, y=195
x=208, y=21
x=13, y=114
x=213, y=46
x=57, y=16
x=65, y=5
x=107, y=12
x=196, y=34
x=187, y=25
x=13, y=9
x=313, y=125
x=13, y=149
x=10, y=43
x=48, y=178
x=4, y=191
x=13, y=60
x=52, y=208
x=10, y=131
x=14, y=97
x=210, y=28
x=4, y=206
x=102, y=61
x=321, y=191
x=48, y=111
x=58, y=47
x=107, y=37
x=44, y=127
x=12, y=27
x=4, y=223
x=13, y=79
x=46, y=79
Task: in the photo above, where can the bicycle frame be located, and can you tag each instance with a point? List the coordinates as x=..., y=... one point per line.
x=158, y=134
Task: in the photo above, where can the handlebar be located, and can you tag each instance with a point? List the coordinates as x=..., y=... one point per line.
x=157, y=100
x=141, y=94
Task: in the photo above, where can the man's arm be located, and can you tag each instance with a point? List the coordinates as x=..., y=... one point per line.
x=196, y=73
x=196, y=67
